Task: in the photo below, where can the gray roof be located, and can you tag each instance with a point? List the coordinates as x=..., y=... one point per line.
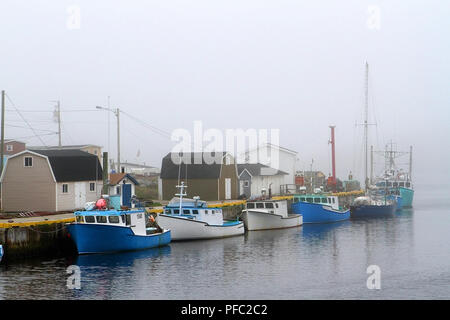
x=258, y=169
x=73, y=165
x=67, y=147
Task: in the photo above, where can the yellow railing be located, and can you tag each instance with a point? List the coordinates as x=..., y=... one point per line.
x=349, y=193
x=34, y=223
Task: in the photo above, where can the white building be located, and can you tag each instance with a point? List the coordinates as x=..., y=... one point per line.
x=254, y=178
x=275, y=157
x=137, y=169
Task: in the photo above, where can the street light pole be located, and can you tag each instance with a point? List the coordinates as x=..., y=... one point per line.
x=117, y=114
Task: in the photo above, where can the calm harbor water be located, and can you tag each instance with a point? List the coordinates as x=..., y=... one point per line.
x=327, y=261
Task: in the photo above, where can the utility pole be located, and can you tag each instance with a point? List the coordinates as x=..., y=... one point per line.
x=59, y=124
x=333, y=159
x=105, y=173
x=57, y=114
x=3, y=132
x=117, y=114
x=118, y=139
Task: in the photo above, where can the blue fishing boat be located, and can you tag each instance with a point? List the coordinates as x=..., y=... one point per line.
x=100, y=231
x=371, y=206
x=319, y=208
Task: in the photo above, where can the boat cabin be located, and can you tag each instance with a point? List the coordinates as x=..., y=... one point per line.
x=332, y=201
x=394, y=184
x=270, y=206
x=134, y=219
x=194, y=209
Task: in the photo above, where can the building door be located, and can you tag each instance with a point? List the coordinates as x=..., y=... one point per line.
x=126, y=195
x=80, y=194
x=227, y=188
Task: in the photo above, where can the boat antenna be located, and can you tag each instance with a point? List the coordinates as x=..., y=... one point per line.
x=179, y=171
x=181, y=193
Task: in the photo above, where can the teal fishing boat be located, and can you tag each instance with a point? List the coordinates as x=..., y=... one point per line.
x=396, y=180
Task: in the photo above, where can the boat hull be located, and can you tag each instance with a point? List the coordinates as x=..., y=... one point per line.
x=187, y=229
x=94, y=238
x=318, y=213
x=260, y=220
x=407, y=197
x=369, y=211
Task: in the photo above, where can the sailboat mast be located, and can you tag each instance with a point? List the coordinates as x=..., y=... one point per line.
x=366, y=131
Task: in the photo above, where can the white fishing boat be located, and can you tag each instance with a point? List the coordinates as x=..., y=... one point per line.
x=191, y=219
x=269, y=214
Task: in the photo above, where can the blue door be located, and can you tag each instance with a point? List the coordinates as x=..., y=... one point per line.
x=126, y=195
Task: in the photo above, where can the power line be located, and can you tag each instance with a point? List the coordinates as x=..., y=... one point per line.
x=149, y=126
x=23, y=118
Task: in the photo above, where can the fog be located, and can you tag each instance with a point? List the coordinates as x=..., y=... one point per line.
x=294, y=65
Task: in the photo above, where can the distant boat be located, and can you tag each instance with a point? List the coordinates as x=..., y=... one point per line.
x=191, y=219
x=1, y=252
x=319, y=208
x=370, y=205
x=101, y=231
x=394, y=179
x=269, y=214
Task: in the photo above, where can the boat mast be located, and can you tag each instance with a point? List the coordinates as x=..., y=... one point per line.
x=410, y=163
x=366, y=115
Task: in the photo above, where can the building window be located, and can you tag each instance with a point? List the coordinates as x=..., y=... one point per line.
x=28, y=161
x=92, y=186
x=65, y=188
x=9, y=147
x=118, y=190
x=246, y=183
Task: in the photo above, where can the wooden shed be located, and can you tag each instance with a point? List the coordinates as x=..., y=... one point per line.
x=210, y=181
x=50, y=180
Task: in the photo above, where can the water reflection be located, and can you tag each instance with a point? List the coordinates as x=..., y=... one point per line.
x=120, y=259
x=325, y=261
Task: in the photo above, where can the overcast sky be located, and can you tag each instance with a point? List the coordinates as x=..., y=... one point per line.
x=293, y=65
